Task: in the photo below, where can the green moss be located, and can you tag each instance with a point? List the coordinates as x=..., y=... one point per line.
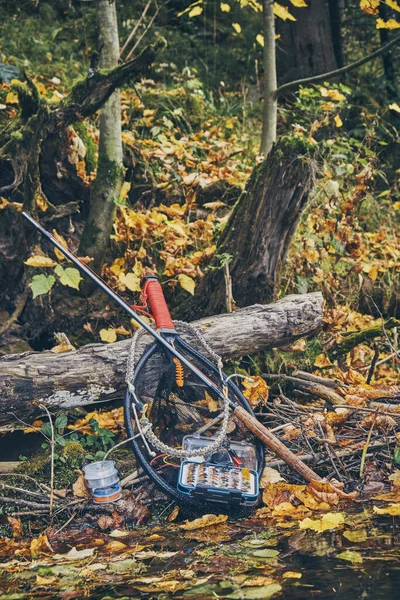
x=90, y=145
x=35, y=465
x=109, y=172
x=74, y=454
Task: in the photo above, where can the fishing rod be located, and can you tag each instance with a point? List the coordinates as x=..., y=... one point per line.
x=167, y=336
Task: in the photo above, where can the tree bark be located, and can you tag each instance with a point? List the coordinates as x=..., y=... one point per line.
x=96, y=373
x=336, y=11
x=110, y=171
x=257, y=236
x=305, y=46
x=387, y=59
x=268, y=136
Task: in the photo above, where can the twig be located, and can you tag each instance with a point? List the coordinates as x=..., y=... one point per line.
x=143, y=34
x=330, y=74
x=373, y=365
x=20, y=305
x=380, y=362
x=134, y=30
x=228, y=289
x=317, y=389
x=29, y=478
x=21, y=502
x=365, y=449
x=330, y=383
x=52, y=444
x=22, y=491
x=328, y=451
x=72, y=517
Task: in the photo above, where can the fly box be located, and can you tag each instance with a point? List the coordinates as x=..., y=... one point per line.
x=228, y=476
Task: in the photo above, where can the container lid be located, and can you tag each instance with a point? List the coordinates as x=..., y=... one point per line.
x=99, y=469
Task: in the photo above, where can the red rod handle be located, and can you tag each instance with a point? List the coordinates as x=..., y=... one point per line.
x=152, y=292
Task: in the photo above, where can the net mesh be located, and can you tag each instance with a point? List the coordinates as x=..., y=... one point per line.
x=179, y=403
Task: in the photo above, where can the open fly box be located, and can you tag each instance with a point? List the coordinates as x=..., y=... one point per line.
x=228, y=476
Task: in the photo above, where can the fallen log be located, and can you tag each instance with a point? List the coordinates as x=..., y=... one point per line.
x=96, y=372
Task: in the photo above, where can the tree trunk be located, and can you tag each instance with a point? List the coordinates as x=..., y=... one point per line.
x=258, y=233
x=388, y=67
x=268, y=136
x=110, y=171
x=96, y=373
x=305, y=46
x=336, y=11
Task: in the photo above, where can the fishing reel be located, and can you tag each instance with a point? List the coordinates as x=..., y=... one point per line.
x=178, y=424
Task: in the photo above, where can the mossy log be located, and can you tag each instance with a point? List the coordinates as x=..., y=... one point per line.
x=96, y=373
x=258, y=234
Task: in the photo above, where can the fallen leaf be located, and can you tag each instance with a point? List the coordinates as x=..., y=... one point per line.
x=173, y=514
x=75, y=554
x=204, y=521
x=17, y=528
x=40, y=545
x=118, y=533
x=45, y=580
x=114, y=547
x=292, y=575
x=40, y=261
x=79, y=488
x=392, y=510
x=108, y=335
x=187, y=283
x=358, y=535
x=269, y=476
x=105, y=522
x=327, y=522
x=351, y=556
x=265, y=592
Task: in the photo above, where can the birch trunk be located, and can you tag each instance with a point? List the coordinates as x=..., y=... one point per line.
x=268, y=136
x=110, y=171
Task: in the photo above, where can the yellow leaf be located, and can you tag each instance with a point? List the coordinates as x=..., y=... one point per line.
x=108, y=335
x=395, y=107
x=283, y=12
x=131, y=281
x=45, y=580
x=11, y=98
x=291, y=575
x=358, y=535
x=196, y=11
x=338, y=121
x=391, y=24
x=351, y=556
x=225, y=7
x=40, y=545
x=370, y=6
x=327, y=106
x=393, y=5
x=187, y=283
x=40, y=261
x=114, y=546
x=299, y=3
x=332, y=95
x=328, y=521
x=260, y=39
x=392, y=510
x=204, y=521
x=237, y=27
x=322, y=361
x=373, y=272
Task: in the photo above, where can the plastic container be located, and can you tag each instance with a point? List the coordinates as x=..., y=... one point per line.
x=103, y=481
x=228, y=476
